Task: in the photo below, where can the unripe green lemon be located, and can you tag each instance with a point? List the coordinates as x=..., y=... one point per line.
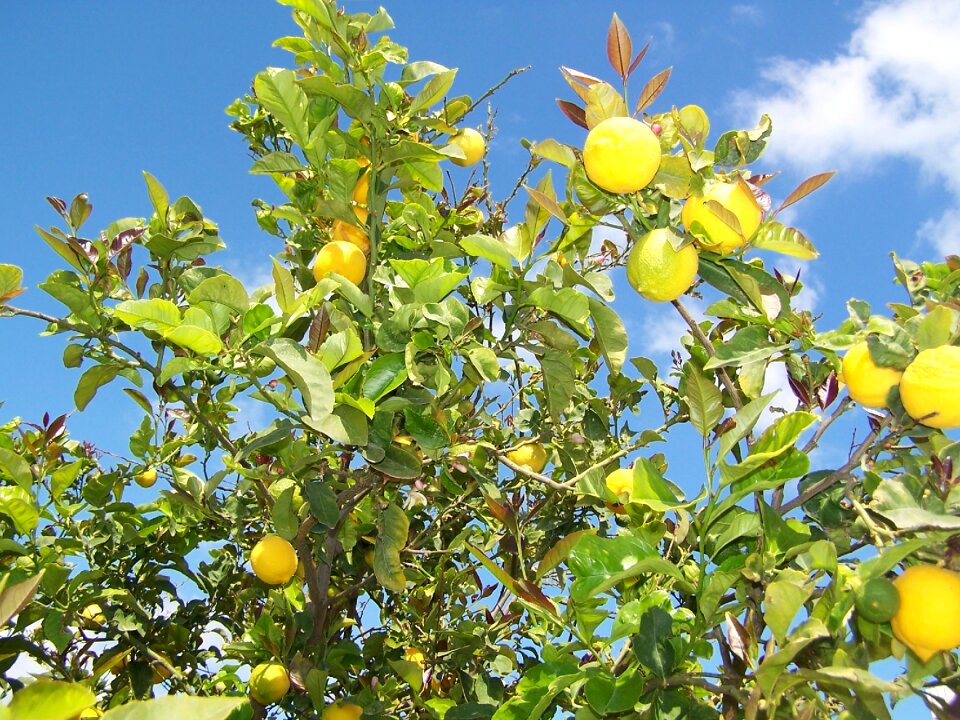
x=621, y=155
x=658, y=271
x=878, y=600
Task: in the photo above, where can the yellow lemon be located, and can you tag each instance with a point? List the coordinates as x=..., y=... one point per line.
x=342, y=711
x=711, y=231
x=345, y=232
x=620, y=481
x=867, y=382
x=146, y=478
x=362, y=189
x=930, y=387
x=472, y=144
x=414, y=655
x=621, y=155
x=269, y=682
x=274, y=560
x=658, y=271
x=532, y=456
x=92, y=617
x=91, y=712
x=928, y=619
x=343, y=258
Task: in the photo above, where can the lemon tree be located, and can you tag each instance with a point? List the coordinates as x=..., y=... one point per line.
x=454, y=498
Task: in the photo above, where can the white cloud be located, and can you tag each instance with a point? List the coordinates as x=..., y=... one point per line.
x=892, y=93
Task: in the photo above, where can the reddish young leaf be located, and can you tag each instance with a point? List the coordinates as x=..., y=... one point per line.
x=532, y=593
x=580, y=82
x=559, y=552
x=761, y=179
x=576, y=113
x=500, y=511
x=806, y=187
x=619, y=47
x=638, y=58
x=651, y=91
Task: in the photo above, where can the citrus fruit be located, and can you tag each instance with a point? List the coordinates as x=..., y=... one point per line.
x=92, y=616
x=343, y=258
x=531, y=456
x=414, y=655
x=472, y=144
x=711, y=231
x=878, y=600
x=345, y=232
x=658, y=271
x=867, y=382
x=342, y=711
x=361, y=190
x=620, y=481
x=269, y=682
x=621, y=155
x=274, y=560
x=146, y=478
x=90, y=712
x=694, y=120
x=928, y=619
x=930, y=387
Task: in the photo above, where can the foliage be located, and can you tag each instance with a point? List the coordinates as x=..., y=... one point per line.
x=440, y=578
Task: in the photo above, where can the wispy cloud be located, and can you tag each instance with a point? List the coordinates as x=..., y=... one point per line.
x=892, y=93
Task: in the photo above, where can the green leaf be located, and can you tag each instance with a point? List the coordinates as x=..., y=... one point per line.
x=703, y=399
x=158, y=315
x=196, y=339
x=398, y=463
x=568, y=304
x=51, y=700
x=610, y=333
x=158, y=196
x=537, y=689
x=559, y=552
x=278, y=92
x=488, y=248
x=283, y=289
x=779, y=238
x=392, y=529
x=936, y=328
x=92, y=380
x=277, y=162
x=744, y=420
x=283, y=515
x=600, y=563
x=894, y=501
x=742, y=147
x=557, y=152
x=674, y=177
x=427, y=432
x=485, y=361
x=306, y=372
x=782, y=601
x=323, y=503
x=16, y=468
x=13, y=598
x=174, y=706
x=603, y=102
x=559, y=379
x=650, y=488
x=775, y=441
x=775, y=665
x=222, y=289
x=433, y=91
x=652, y=644
x=385, y=374
x=750, y=344
x=11, y=278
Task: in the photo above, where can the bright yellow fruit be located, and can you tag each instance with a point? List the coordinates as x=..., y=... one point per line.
x=620, y=481
x=91, y=712
x=269, y=682
x=274, y=560
x=362, y=189
x=343, y=258
x=345, y=232
x=931, y=387
x=146, y=478
x=344, y=711
x=621, y=155
x=414, y=655
x=928, y=620
x=472, y=144
x=713, y=233
x=92, y=616
x=532, y=456
x=659, y=272
x=867, y=382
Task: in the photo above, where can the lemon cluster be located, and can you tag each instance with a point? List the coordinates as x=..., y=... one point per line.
x=928, y=387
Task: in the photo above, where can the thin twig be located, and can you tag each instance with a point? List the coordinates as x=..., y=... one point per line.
x=510, y=75
x=711, y=351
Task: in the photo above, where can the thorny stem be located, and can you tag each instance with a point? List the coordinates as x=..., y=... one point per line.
x=489, y=93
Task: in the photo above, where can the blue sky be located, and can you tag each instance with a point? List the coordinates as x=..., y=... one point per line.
x=94, y=93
